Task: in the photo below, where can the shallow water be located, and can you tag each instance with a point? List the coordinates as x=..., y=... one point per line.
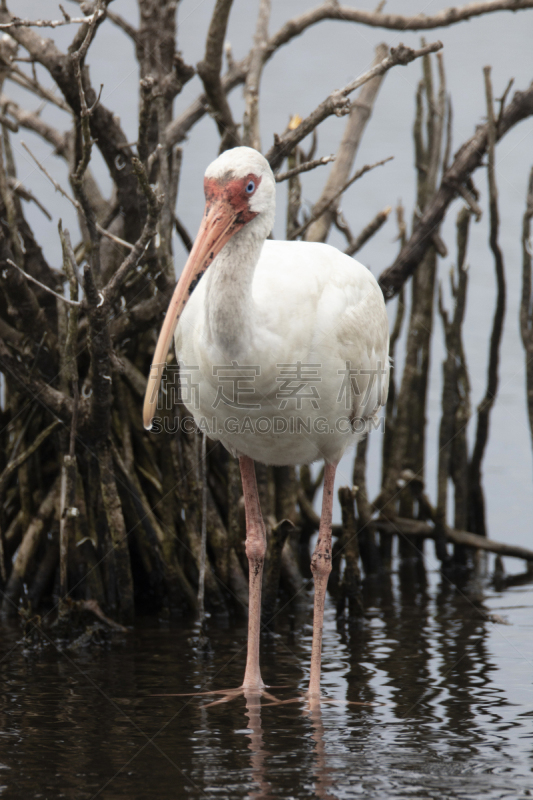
x=431, y=701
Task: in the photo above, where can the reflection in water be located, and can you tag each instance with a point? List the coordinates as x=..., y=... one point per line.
x=257, y=759
x=429, y=655
x=322, y=770
x=424, y=689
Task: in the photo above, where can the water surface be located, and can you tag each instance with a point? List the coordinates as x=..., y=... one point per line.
x=431, y=701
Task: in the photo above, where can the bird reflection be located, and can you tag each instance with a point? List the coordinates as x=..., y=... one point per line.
x=263, y=788
x=322, y=771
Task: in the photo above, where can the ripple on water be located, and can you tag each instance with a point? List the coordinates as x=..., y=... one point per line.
x=428, y=705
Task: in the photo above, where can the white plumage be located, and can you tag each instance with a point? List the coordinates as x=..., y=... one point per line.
x=305, y=303
x=283, y=351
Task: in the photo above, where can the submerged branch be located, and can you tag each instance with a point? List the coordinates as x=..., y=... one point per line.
x=413, y=527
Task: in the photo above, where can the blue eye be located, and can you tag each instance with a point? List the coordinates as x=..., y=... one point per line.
x=250, y=187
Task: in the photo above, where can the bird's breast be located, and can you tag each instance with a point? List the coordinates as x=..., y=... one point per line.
x=286, y=370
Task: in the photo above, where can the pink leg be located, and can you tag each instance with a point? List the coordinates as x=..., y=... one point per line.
x=255, y=551
x=321, y=567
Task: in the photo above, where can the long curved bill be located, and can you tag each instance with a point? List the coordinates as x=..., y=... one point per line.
x=218, y=226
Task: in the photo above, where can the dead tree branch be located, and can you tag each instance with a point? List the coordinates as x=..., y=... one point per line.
x=42, y=285
x=105, y=128
x=114, y=285
x=453, y=459
x=209, y=71
x=476, y=500
x=526, y=306
x=124, y=25
x=305, y=167
x=413, y=527
x=331, y=9
x=250, y=127
x=338, y=103
x=33, y=122
x=359, y=115
x=50, y=23
x=16, y=462
x=53, y=400
x=355, y=244
x=467, y=160
x=320, y=209
x=26, y=552
x=77, y=205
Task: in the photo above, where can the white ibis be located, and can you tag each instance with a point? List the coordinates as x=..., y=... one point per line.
x=287, y=345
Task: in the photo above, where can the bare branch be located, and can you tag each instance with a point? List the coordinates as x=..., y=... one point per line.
x=318, y=210
x=50, y=23
x=42, y=285
x=9, y=123
x=27, y=308
x=54, y=401
x=113, y=238
x=477, y=504
x=183, y=233
x=360, y=111
x=526, y=309
x=331, y=9
x=368, y=231
x=338, y=102
x=31, y=84
x=305, y=167
x=140, y=317
x=502, y=100
x=96, y=18
x=452, y=458
x=467, y=159
x=57, y=186
x=209, y=71
x=145, y=112
x=471, y=202
x=124, y=25
x=250, y=133
x=414, y=527
x=294, y=189
x=149, y=230
x=178, y=129
x=25, y=194
x=26, y=551
x=15, y=463
x=340, y=222
x=105, y=128
x=33, y=122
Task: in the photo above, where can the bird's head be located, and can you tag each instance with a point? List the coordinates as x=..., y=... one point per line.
x=240, y=185
x=239, y=189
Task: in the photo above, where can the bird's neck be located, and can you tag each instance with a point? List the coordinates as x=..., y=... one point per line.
x=229, y=307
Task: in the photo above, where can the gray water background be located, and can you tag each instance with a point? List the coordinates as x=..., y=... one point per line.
x=457, y=689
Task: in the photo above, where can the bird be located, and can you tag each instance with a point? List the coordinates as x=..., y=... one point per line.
x=286, y=344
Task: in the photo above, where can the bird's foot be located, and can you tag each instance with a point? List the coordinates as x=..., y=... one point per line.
x=232, y=694
x=315, y=700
